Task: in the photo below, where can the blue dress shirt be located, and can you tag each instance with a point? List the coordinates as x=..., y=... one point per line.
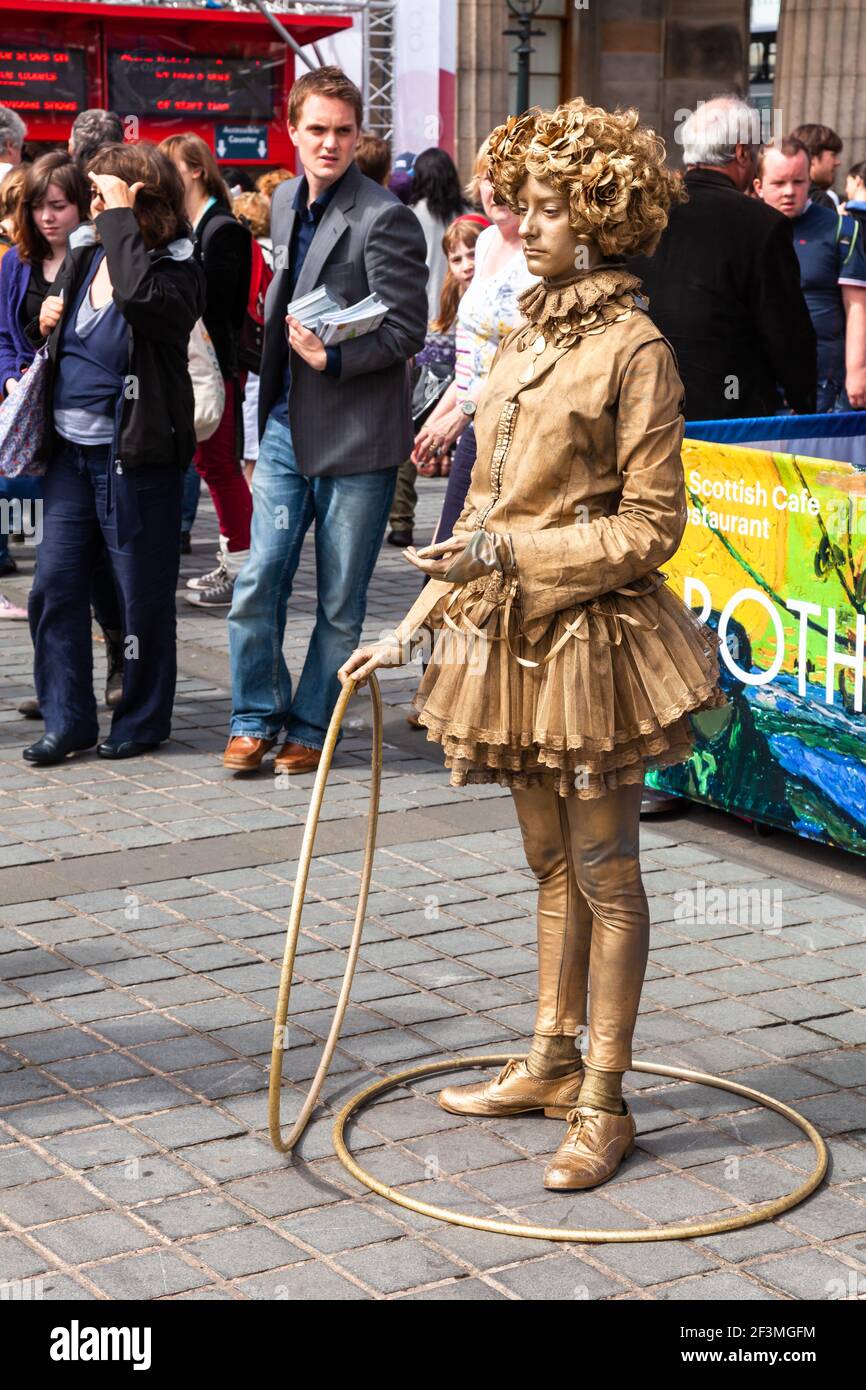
x=307, y=220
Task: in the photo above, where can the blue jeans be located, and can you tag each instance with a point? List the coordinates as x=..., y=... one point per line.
x=23, y=490
x=832, y=397
x=191, y=491
x=351, y=514
x=136, y=519
x=458, y=483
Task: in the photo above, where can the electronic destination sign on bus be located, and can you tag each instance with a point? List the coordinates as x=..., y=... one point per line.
x=154, y=84
x=43, y=80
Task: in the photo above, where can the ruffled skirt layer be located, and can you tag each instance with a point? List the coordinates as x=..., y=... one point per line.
x=614, y=700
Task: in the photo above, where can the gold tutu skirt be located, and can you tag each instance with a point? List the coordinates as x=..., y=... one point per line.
x=603, y=694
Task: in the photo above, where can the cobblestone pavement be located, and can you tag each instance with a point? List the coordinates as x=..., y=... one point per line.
x=143, y=913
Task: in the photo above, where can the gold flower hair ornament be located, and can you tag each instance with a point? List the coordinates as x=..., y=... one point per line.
x=610, y=168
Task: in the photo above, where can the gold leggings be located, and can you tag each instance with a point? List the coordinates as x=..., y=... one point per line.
x=593, y=917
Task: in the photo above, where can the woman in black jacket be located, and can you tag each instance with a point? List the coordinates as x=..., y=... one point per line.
x=224, y=248
x=119, y=433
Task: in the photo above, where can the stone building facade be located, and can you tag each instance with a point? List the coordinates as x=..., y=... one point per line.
x=663, y=56
x=820, y=70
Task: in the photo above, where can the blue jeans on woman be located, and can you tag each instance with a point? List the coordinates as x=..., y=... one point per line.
x=458, y=483
x=351, y=513
x=24, y=491
x=137, y=517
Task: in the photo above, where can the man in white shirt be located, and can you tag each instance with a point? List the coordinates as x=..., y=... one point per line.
x=12, y=133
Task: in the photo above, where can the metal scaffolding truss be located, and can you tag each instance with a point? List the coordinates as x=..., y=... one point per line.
x=378, y=57
x=380, y=66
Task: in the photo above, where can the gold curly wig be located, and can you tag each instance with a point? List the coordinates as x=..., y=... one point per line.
x=609, y=167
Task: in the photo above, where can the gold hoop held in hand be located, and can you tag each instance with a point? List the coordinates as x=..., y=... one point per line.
x=294, y=927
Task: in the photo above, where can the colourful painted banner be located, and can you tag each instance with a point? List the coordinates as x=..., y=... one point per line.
x=774, y=558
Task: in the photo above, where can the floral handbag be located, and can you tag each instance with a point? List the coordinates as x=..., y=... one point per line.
x=22, y=423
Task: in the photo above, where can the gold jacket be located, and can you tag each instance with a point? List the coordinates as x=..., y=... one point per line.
x=579, y=446
x=577, y=662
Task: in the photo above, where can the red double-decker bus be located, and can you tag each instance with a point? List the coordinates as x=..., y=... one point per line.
x=224, y=74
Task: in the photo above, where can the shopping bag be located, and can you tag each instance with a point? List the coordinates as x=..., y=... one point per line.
x=22, y=423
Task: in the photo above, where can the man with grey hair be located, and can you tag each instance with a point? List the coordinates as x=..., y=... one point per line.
x=724, y=282
x=12, y=133
x=91, y=130
x=724, y=133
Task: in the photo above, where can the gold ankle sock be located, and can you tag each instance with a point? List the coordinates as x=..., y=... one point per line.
x=554, y=1054
x=602, y=1090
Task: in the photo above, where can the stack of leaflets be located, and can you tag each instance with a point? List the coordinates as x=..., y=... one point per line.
x=338, y=325
x=310, y=307
x=320, y=312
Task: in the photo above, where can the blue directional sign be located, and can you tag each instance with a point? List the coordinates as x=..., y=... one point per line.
x=238, y=142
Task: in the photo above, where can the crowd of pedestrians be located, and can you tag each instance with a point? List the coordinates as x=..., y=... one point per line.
x=759, y=279
x=147, y=288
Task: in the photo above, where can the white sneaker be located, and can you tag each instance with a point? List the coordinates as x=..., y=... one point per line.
x=11, y=611
x=212, y=580
x=218, y=596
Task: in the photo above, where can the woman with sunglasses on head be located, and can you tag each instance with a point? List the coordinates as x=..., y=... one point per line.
x=119, y=435
x=223, y=247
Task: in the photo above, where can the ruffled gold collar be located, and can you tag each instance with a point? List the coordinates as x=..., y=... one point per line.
x=571, y=309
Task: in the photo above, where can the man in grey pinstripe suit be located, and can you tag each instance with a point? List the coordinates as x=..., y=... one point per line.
x=335, y=424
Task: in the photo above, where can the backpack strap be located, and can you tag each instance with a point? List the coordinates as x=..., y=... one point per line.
x=847, y=236
x=219, y=219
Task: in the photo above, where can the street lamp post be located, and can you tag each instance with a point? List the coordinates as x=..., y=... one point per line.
x=524, y=12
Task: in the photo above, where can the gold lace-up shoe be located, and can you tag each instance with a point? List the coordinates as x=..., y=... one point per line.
x=592, y=1150
x=515, y=1092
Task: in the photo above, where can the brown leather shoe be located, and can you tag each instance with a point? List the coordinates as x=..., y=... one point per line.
x=30, y=708
x=515, y=1091
x=294, y=757
x=244, y=753
x=595, y=1145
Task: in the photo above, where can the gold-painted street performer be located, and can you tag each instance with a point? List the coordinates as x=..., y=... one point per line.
x=564, y=666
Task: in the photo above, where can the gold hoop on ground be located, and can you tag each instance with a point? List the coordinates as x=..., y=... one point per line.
x=752, y=1217
x=294, y=927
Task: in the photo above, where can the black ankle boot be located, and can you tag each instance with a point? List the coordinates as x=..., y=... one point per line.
x=127, y=748
x=53, y=748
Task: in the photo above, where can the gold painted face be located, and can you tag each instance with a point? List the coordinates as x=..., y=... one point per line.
x=552, y=247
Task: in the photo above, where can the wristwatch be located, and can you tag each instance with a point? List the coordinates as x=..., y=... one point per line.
x=468, y=407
